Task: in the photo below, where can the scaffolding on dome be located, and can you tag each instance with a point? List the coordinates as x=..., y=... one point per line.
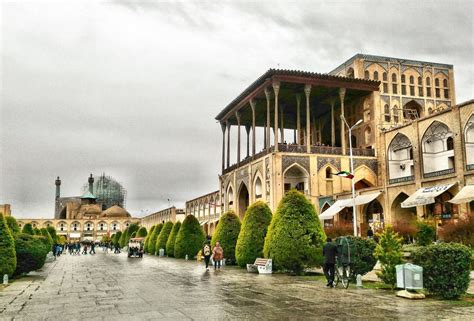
x=108, y=191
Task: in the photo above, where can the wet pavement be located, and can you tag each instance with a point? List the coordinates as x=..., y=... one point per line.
x=114, y=287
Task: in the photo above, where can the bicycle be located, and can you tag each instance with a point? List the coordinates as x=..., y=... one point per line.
x=342, y=274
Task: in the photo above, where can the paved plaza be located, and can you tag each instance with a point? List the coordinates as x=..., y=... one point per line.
x=114, y=287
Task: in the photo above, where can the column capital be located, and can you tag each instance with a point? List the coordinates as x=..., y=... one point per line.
x=276, y=87
x=307, y=90
x=332, y=101
x=342, y=93
x=298, y=99
x=227, y=122
x=267, y=93
x=237, y=115
x=253, y=104
x=224, y=126
x=247, y=128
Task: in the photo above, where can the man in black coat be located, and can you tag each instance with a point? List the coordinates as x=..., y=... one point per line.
x=329, y=252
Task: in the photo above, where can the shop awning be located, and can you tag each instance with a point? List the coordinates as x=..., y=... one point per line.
x=465, y=195
x=340, y=204
x=366, y=198
x=204, y=222
x=335, y=208
x=425, y=195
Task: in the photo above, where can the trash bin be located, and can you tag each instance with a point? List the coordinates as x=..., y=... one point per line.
x=162, y=252
x=409, y=276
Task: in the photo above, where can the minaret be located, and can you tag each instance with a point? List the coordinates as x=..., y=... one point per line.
x=91, y=184
x=58, y=194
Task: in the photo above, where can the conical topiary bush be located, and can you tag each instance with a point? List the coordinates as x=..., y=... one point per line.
x=252, y=233
x=12, y=225
x=7, y=249
x=172, y=239
x=227, y=232
x=154, y=236
x=147, y=240
x=295, y=237
x=190, y=238
x=28, y=229
x=163, y=237
x=142, y=232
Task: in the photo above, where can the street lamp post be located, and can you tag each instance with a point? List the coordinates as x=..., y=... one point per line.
x=354, y=216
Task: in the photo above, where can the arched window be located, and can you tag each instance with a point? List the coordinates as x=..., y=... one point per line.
x=400, y=159
x=428, y=86
x=258, y=188
x=437, y=82
x=230, y=196
x=366, y=74
x=438, y=159
x=445, y=83
x=450, y=143
x=404, y=87
x=430, y=110
x=386, y=110
x=469, y=140
x=394, y=77
x=350, y=73
x=384, y=76
x=412, y=110
x=328, y=172
x=367, y=135
x=394, y=84
x=412, y=80
x=420, y=87
x=420, y=82
x=446, y=90
x=376, y=75
x=428, y=81
x=396, y=118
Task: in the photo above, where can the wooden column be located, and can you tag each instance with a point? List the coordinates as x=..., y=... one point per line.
x=247, y=129
x=276, y=90
x=228, y=143
x=333, y=123
x=253, y=105
x=342, y=93
x=267, y=129
x=282, y=125
x=223, y=127
x=237, y=115
x=307, y=91
x=298, y=119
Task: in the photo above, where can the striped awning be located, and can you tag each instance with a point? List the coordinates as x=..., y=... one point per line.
x=425, y=195
x=340, y=204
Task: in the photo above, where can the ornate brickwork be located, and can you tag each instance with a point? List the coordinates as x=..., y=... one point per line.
x=303, y=161
x=336, y=162
x=370, y=163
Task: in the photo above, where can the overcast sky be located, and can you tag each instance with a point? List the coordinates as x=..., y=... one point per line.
x=132, y=88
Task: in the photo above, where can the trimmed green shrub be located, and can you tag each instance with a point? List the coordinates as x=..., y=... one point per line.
x=134, y=234
x=295, y=237
x=12, y=225
x=446, y=268
x=28, y=229
x=132, y=228
x=153, y=238
x=52, y=232
x=116, y=238
x=163, y=237
x=389, y=252
x=142, y=232
x=252, y=233
x=227, y=233
x=460, y=231
x=8, y=259
x=36, y=231
x=172, y=239
x=31, y=252
x=364, y=256
x=147, y=240
x=44, y=232
x=123, y=238
x=425, y=234
x=189, y=239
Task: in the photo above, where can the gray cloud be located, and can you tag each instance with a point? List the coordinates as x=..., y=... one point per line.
x=131, y=88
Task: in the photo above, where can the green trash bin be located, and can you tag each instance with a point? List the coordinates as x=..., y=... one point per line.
x=409, y=276
x=345, y=250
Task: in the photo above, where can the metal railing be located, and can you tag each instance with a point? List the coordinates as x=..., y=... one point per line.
x=439, y=173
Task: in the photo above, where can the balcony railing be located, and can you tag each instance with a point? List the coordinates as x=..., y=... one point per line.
x=301, y=149
x=401, y=179
x=439, y=173
x=469, y=167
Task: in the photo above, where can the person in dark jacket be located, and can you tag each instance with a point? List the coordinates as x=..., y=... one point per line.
x=329, y=252
x=206, y=251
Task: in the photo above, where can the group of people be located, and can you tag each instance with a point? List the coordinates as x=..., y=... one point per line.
x=75, y=248
x=216, y=253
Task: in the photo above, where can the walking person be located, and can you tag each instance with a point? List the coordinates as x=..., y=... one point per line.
x=92, y=248
x=217, y=255
x=84, y=251
x=206, y=251
x=329, y=252
x=370, y=233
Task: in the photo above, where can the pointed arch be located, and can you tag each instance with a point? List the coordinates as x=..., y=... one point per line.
x=364, y=177
x=243, y=200
x=412, y=110
x=230, y=196
x=296, y=176
x=400, y=159
x=327, y=172
x=437, y=155
x=257, y=185
x=469, y=141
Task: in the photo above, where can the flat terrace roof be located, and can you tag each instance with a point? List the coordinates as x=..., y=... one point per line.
x=298, y=79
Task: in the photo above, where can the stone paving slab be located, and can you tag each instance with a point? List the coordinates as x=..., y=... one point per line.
x=114, y=287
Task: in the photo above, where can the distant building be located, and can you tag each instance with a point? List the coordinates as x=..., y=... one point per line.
x=5, y=209
x=171, y=214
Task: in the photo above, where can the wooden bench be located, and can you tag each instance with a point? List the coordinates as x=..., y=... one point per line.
x=262, y=266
